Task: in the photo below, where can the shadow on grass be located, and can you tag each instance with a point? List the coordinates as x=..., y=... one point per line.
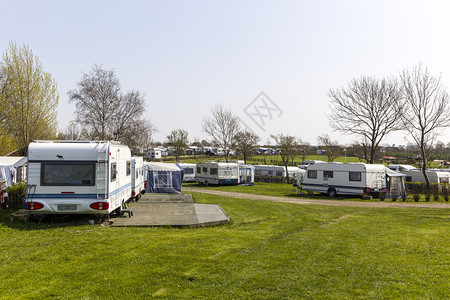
x=36, y=223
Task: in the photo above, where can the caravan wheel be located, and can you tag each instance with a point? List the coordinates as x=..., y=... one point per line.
x=206, y=182
x=332, y=192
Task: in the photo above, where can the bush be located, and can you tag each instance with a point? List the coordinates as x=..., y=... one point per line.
x=416, y=197
x=382, y=196
x=445, y=192
x=427, y=195
x=16, y=193
x=394, y=196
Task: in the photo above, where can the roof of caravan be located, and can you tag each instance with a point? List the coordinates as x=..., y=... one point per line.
x=336, y=166
x=68, y=150
x=183, y=165
x=15, y=161
x=163, y=166
x=267, y=167
x=220, y=164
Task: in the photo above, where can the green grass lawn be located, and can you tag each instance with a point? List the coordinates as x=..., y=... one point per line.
x=268, y=251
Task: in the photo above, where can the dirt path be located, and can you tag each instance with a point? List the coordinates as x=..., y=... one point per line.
x=320, y=202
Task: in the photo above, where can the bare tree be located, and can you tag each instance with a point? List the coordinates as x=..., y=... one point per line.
x=105, y=112
x=139, y=135
x=332, y=148
x=359, y=149
x=368, y=108
x=288, y=146
x=304, y=150
x=245, y=143
x=178, y=140
x=222, y=126
x=427, y=109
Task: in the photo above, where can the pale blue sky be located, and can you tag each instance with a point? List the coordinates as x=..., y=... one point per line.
x=187, y=56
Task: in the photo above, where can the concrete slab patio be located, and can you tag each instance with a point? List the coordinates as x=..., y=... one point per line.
x=172, y=210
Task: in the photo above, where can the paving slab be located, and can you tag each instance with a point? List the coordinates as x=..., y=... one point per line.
x=172, y=210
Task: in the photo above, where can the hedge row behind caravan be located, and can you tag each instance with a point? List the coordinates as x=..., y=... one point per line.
x=86, y=177
x=346, y=179
x=137, y=178
x=224, y=173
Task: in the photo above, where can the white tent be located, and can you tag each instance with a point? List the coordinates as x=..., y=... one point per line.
x=12, y=169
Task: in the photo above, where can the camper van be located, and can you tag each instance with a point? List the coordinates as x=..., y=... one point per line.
x=71, y=177
x=346, y=179
x=414, y=174
x=224, y=173
x=137, y=178
x=189, y=171
x=270, y=170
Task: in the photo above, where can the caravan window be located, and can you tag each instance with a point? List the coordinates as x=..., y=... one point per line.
x=189, y=171
x=113, y=171
x=312, y=174
x=213, y=171
x=128, y=168
x=68, y=173
x=327, y=174
x=354, y=176
x=199, y=169
x=205, y=170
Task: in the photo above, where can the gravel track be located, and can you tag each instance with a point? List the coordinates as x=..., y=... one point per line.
x=320, y=202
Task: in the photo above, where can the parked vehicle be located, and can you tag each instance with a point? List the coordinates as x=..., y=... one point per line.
x=224, y=173
x=414, y=174
x=346, y=179
x=86, y=177
x=137, y=177
x=270, y=170
x=189, y=171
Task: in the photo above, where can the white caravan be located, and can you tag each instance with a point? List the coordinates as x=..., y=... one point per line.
x=347, y=179
x=137, y=177
x=71, y=177
x=414, y=174
x=224, y=173
x=189, y=171
x=270, y=170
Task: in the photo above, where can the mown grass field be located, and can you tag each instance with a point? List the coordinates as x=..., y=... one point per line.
x=268, y=251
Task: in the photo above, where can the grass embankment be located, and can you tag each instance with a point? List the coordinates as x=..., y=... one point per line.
x=269, y=250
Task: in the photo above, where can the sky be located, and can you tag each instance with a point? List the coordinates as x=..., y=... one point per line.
x=271, y=63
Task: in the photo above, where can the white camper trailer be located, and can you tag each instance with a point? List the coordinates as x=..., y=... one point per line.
x=189, y=171
x=270, y=170
x=414, y=174
x=70, y=177
x=217, y=173
x=347, y=179
x=225, y=173
x=137, y=177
